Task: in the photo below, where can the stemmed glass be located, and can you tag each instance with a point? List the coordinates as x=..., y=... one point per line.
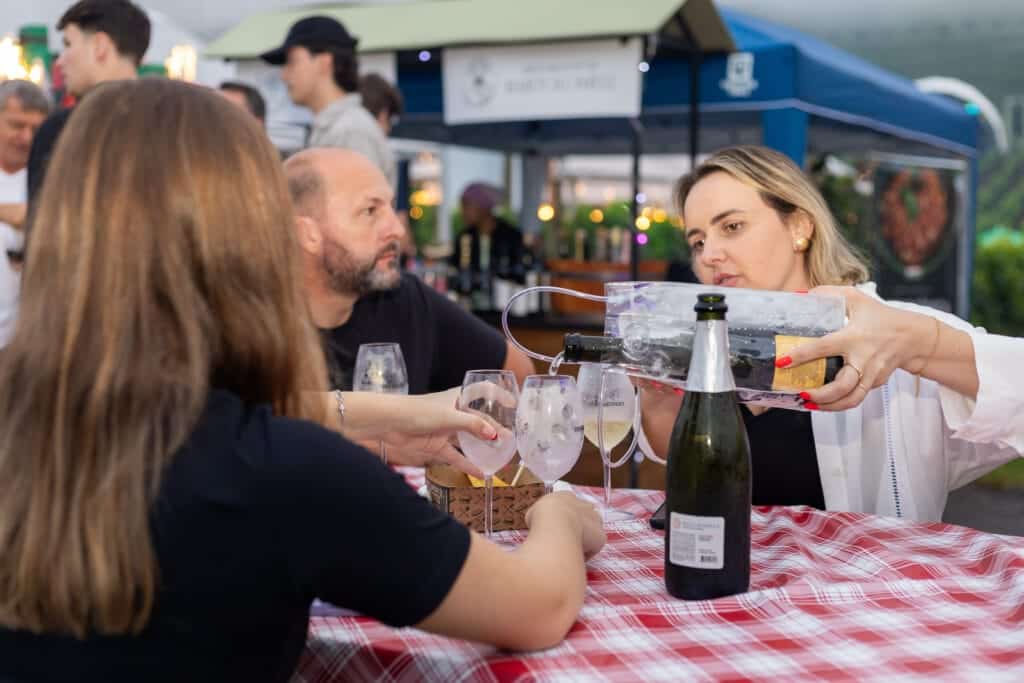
x=380, y=368
x=609, y=413
x=493, y=395
x=549, y=426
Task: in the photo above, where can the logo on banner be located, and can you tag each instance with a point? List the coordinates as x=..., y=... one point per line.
x=739, y=78
x=480, y=85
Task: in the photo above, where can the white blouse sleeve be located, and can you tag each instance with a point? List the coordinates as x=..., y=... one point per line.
x=997, y=416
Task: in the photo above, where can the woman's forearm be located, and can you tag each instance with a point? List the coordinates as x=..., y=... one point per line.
x=658, y=415
x=368, y=416
x=949, y=357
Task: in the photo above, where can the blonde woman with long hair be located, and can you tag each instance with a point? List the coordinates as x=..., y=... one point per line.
x=169, y=501
x=925, y=402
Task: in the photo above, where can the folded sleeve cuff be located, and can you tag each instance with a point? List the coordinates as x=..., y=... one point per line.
x=997, y=415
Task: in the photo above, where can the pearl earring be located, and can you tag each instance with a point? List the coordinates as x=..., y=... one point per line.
x=801, y=244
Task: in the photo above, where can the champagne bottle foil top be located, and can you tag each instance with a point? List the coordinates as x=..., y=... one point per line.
x=710, y=372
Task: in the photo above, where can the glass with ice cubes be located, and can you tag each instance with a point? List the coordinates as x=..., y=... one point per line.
x=549, y=426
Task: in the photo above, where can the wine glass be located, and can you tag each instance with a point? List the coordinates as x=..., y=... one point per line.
x=493, y=395
x=549, y=426
x=380, y=368
x=609, y=411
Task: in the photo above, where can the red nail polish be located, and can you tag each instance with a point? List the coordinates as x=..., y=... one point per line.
x=679, y=392
x=810, y=405
x=799, y=291
x=805, y=396
x=495, y=437
x=783, y=362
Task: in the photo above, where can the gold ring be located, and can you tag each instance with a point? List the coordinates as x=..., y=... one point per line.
x=860, y=373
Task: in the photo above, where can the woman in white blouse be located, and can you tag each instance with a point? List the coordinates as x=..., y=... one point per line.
x=925, y=402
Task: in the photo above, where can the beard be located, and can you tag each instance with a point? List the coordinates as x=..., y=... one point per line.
x=348, y=275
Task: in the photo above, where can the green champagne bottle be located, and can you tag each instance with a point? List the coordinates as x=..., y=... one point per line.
x=707, y=529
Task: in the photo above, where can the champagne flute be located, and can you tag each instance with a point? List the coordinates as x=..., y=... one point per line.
x=493, y=395
x=380, y=368
x=549, y=426
x=609, y=410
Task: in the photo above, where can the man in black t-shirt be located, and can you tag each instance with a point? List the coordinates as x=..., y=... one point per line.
x=104, y=40
x=349, y=235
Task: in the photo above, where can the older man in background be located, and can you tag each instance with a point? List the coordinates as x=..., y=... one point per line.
x=349, y=235
x=23, y=108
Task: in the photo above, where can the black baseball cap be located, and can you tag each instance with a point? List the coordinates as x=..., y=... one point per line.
x=312, y=33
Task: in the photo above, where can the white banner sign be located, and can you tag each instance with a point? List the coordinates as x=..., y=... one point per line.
x=591, y=79
x=384, y=64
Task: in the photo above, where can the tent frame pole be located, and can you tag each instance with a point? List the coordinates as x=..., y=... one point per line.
x=634, y=249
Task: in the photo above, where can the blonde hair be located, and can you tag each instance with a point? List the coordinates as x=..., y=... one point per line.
x=831, y=260
x=162, y=264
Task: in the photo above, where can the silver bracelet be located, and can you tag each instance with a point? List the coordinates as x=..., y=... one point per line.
x=341, y=405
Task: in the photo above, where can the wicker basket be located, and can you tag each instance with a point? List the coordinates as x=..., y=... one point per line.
x=451, y=491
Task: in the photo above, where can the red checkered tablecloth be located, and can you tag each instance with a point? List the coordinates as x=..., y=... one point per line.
x=834, y=596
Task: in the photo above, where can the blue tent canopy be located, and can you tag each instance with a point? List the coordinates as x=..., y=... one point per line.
x=783, y=88
x=780, y=88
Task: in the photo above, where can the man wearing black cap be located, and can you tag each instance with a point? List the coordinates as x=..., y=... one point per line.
x=321, y=72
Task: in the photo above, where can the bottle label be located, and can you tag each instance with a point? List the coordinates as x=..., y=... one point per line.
x=697, y=542
x=807, y=376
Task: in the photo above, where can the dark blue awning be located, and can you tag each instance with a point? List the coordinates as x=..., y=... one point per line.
x=852, y=104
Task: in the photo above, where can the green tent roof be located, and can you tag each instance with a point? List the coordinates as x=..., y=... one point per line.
x=447, y=23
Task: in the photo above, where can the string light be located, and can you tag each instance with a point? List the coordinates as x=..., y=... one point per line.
x=643, y=223
x=37, y=72
x=181, y=65
x=424, y=55
x=428, y=196
x=641, y=239
x=13, y=66
x=596, y=216
x=416, y=212
x=644, y=67
x=545, y=212
x=660, y=216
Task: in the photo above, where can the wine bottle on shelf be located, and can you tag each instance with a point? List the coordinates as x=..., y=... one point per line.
x=531, y=274
x=707, y=490
x=483, y=297
x=564, y=244
x=614, y=243
x=464, y=285
x=601, y=245
x=579, y=251
x=752, y=358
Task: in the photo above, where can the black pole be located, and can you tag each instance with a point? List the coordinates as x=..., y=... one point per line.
x=696, y=55
x=634, y=249
x=637, y=147
x=695, y=60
